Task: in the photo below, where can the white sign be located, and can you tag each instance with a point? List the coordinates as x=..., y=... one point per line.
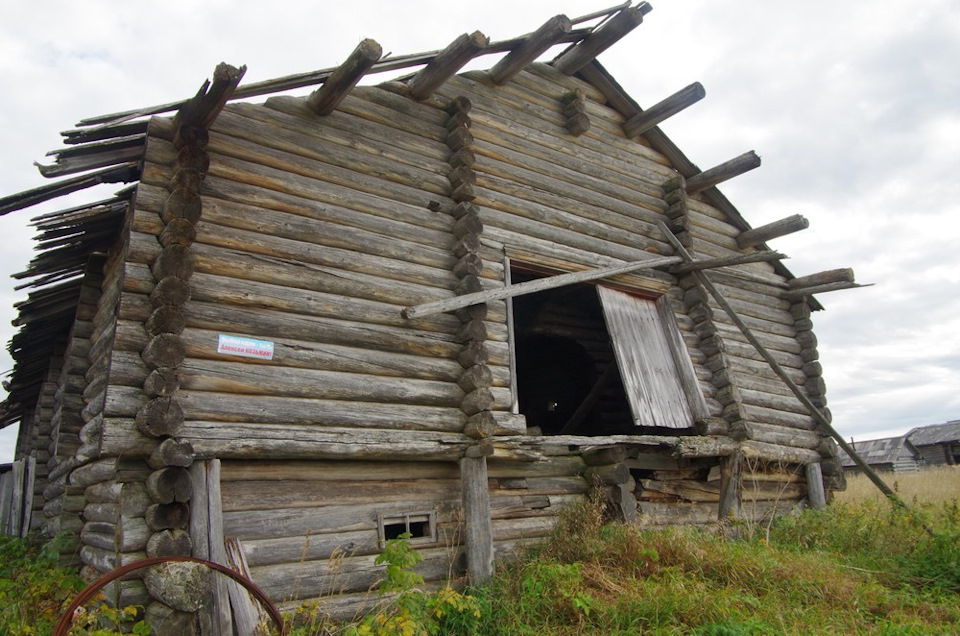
x=245, y=347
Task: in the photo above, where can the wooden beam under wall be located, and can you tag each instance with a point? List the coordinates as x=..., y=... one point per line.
x=600, y=40
x=764, y=233
x=815, y=493
x=642, y=122
x=720, y=173
x=446, y=64
x=335, y=88
x=731, y=468
x=530, y=48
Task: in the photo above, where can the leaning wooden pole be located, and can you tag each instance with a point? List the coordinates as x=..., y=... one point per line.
x=797, y=391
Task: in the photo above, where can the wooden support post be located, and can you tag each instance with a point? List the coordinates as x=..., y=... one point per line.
x=218, y=549
x=642, y=122
x=726, y=170
x=478, y=531
x=446, y=64
x=600, y=40
x=325, y=99
x=731, y=468
x=815, y=493
x=530, y=49
x=773, y=230
x=815, y=412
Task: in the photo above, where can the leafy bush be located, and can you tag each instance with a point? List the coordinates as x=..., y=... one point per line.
x=35, y=591
x=918, y=547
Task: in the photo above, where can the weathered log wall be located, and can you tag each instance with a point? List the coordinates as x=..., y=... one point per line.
x=60, y=509
x=310, y=528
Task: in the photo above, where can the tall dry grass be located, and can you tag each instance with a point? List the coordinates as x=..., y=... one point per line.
x=937, y=485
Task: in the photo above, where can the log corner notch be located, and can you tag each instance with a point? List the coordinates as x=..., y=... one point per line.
x=338, y=85
x=203, y=108
x=585, y=51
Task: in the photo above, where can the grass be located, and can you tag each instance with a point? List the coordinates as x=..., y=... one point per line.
x=937, y=485
x=858, y=567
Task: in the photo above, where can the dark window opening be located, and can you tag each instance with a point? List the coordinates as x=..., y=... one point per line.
x=591, y=360
x=419, y=525
x=567, y=377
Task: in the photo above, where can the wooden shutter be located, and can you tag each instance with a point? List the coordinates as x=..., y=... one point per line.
x=659, y=380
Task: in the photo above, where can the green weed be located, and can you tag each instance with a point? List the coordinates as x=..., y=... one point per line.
x=35, y=591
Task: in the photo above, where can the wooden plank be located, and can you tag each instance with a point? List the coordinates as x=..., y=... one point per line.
x=478, y=534
x=815, y=492
x=532, y=286
x=247, y=613
x=645, y=361
x=218, y=551
x=686, y=374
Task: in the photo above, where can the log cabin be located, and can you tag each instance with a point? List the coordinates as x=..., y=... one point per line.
x=450, y=304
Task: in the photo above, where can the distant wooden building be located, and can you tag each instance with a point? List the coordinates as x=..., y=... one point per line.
x=938, y=443
x=304, y=324
x=890, y=454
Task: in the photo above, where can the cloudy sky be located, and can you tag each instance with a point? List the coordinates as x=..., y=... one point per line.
x=854, y=107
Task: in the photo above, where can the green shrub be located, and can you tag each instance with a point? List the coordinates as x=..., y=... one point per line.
x=35, y=591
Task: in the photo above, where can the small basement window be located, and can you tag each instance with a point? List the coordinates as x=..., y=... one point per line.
x=420, y=525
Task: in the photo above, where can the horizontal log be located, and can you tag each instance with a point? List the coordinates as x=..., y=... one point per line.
x=524, y=129
x=239, y=440
x=775, y=453
x=664, y=109
x=781, y=435
x=227, y=377
x=530, y=48
x=653, y=514
x=601, y=39
x=267, y=495
x=844, y=275
x=310, y=547
x=325, y=99
x=446, y=64
x=292, y=522
x=687, y=490
x=315, y=471
x=722, y=172
x=355, y=574
x=773, y=230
